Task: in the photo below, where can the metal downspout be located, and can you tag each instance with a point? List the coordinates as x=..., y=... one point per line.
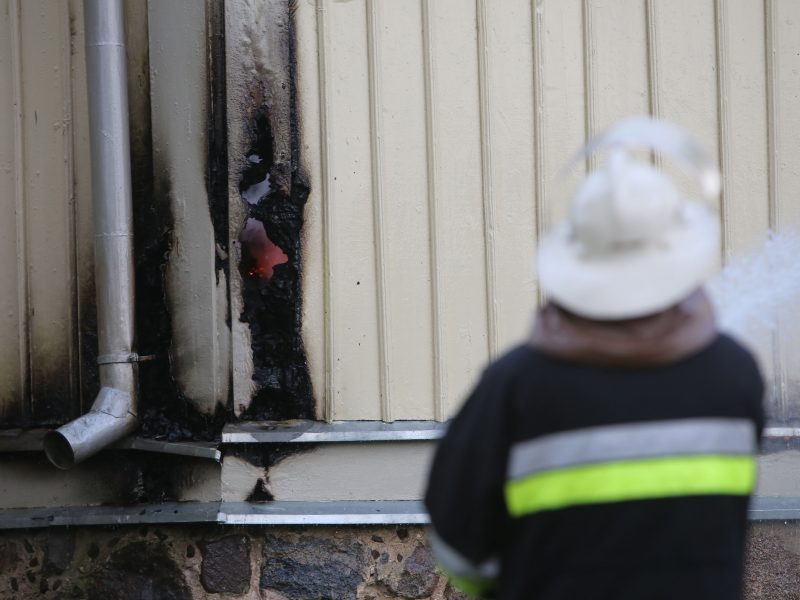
x=113, y=414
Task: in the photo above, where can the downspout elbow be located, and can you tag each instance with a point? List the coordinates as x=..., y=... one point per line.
x=113, y=414
x=111, y=418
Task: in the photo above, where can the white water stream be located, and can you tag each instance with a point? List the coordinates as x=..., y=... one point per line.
x=756, y=291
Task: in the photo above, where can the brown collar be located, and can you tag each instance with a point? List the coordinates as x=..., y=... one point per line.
x=658, y=339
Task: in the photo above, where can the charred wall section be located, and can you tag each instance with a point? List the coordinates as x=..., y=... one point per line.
x=166, y=410
x=262, y=211
x=272, y=193
x=270, y=268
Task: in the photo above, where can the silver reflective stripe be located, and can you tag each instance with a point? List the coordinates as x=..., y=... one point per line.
x=457, y=564
x=631, y=441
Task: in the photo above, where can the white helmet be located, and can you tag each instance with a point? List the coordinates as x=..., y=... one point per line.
x=631, y=245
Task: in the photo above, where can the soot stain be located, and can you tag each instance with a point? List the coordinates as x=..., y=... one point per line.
x=265, y=456
x=270, y=266
x=217, y=158
x=260, y=493
x=149, y=478
x=164, y=411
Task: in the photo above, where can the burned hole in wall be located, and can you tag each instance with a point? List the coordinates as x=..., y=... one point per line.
x=270, y=268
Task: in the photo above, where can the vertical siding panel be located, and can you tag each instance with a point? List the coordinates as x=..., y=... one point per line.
x=566, y=108
x=653, y=80
x=49, y=206
x=374, y=35
x=723, y=116
x=589, y=70
x=456, y=110
x=779, y=396
x=13, y=353
x=440, y=392
x=771, y=67
x=683, y=75
x=487, y=187
x=84, y=228
x=786, y=101
x=197, y=298
x=746, y=204
x=618, y=63
x=355, y=349
x=510, y=96
x=783, y=87
x=21, y=222
x=538, y=175
x=310, y=28
x=404, y=191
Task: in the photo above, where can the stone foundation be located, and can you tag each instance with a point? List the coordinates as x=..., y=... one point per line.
x=189, y=562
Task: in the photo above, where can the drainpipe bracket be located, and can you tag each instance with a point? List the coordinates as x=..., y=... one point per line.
x=123, y=358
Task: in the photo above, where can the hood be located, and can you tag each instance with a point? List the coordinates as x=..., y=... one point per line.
x=658, y=339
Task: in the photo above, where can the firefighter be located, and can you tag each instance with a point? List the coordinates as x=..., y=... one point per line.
x=613, y=454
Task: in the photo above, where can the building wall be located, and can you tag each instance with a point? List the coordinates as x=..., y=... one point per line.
x=432, y=136
x=429, y=138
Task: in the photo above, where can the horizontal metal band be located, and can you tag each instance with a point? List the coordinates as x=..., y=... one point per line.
x=627, y=441
x=306, y=431
x=384, y=512
x=400, y=512
x=623, y=481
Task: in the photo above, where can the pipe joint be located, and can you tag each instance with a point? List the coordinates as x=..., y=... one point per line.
x=111, y=418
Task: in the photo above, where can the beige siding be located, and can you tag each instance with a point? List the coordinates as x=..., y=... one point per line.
x=783, y=93
x=40, y=252
x=435, y=164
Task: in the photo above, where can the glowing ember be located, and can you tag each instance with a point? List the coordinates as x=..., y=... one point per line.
x=260, y=254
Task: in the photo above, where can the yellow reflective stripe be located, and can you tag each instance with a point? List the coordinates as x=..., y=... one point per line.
x=631, y=480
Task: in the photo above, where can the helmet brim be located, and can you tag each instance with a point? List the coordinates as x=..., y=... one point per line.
x=633, y=281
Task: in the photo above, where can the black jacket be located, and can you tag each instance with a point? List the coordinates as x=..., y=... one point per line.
x=560, y=480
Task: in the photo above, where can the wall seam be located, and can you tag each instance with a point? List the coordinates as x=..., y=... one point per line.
x=540, y=197
x=73, y=324
x=376, y=141
x=326, y=190
x=654, y=92
x=486, y=178
x=771, y=72
x=439, y=384
x=23, y=283
x=723, y=129
x=588, y=79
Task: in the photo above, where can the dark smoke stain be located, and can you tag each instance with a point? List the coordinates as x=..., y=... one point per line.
x=265, y=456
x=217, y=157
x=90, y=372
x=271, y=273
x=260, y=493
x=149, y=478
x=51, y=398
x=165, y=413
